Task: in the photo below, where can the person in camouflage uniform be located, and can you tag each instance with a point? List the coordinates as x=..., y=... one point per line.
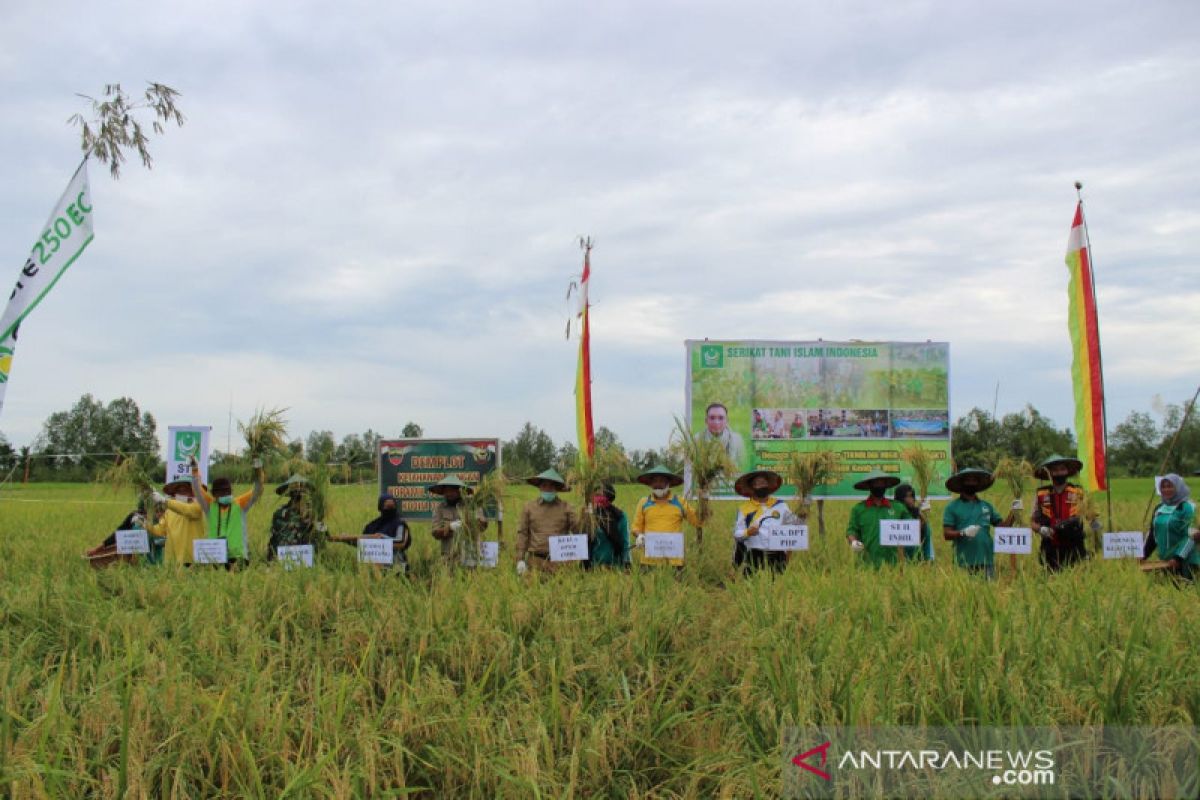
x=294, y=522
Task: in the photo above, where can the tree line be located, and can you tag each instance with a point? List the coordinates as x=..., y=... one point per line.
x=79, y=443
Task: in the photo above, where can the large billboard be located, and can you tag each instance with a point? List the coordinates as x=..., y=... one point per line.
x=408, y=466
x=866, y=401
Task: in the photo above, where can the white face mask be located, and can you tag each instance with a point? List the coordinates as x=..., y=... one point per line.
x=183, y=498
x=661, y=492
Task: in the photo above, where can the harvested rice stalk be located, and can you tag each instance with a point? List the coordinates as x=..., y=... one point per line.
x=807, y=471
x=1016, y=474
x=487, y=498
x=127, y=472
x=924, y=468
x=265, y=434
x=587, y=478
x=708, y=463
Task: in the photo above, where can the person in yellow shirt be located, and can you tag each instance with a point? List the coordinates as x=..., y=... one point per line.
x=182, y=523
x=660, y=512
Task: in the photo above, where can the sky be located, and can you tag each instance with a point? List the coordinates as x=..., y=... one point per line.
x=372, y=213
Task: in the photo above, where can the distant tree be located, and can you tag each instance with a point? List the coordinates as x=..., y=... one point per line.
x=565, y=458
x=412, y=430
x=90, y=433
x=1185, y=457
x=531, y=451
x=1133, y=446
x=979, y=440
x=320, y=447
x=8, y=455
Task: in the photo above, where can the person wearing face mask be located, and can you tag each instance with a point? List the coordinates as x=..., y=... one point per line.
x=1056, y=514
x=760, y=510
x=295, y=521
x=225, y=514
x=660, y=512
x=904, y=497
x=1173, y=535
x=447, y=518
x=542, y=518
x=863, y=530
x=389, y=524
x=968, y=520
x=181, y=523
x=609, y=545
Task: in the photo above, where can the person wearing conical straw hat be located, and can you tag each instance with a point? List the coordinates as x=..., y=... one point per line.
x=1173, y=535
x=294, y=522
x=1056, y=516
x=968, y=520
x=661, y=511
x=447, y=517
x=181, y=524
x=760, y=511
x=541, y=519
x=862, y=532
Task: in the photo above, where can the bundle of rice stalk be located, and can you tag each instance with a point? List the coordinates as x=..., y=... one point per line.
x=708, y=463
x=488, y=497
x=807, y=471
x=589, y=475
x=924, y=470
x=265, y=434
x=1017, y=474
x=128, y=472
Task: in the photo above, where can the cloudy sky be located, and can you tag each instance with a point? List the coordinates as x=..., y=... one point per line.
x=371, y=214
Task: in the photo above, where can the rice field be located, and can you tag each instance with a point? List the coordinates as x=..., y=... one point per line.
x=345, y=682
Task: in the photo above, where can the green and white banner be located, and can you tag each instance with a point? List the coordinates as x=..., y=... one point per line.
x=865, y=401
x=66, y=235
x=184, y=442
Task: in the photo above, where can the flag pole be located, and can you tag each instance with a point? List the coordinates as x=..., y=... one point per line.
x=1099, y=356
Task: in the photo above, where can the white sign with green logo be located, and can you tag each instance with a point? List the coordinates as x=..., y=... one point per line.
x=184, y=442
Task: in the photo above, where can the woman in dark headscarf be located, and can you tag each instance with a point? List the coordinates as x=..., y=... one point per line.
x=610, y=540
x=389, y=524
x=908, y=508
x=1172, y=528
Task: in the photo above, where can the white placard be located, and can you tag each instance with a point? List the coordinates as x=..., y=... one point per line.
x=1124, y=544
x=375, y=551
x=1015, y=541
x=664, y=545
x=489, y=556
x=569, y=547
x=295, y=554
x=184, y=442
x=900, y=532
x=787, y=537
x=210, y=551
x=132, y=542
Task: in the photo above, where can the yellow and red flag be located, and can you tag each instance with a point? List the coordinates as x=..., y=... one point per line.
x=1086, y=372
x=583, y=373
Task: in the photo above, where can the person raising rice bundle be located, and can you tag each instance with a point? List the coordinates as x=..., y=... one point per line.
x=181, y=524
x=447, y=517
x=863, y=530
x=1173, y=535
x=541, y=519
x=660, y=512
x=225, y=515
x=1056, y=513
x=755, y=517
x=967, y=521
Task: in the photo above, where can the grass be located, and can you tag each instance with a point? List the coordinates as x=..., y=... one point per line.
x=343, y=682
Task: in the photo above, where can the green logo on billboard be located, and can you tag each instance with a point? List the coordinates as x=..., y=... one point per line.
x=712, y=356
x=187, y=444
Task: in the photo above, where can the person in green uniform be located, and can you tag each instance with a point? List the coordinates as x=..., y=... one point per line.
x=863, y=530
x=1173, y=533
x=968, y=520
x=904, y=497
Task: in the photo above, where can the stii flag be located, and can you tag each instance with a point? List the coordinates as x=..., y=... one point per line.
x=65, y=236
x=1086, y=373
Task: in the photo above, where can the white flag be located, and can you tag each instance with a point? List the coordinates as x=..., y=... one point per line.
x=67, y=233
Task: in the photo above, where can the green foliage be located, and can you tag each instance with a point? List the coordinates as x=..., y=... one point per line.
x=85, y=438
x=529, y=453
x=412, y=430
x=979, y=440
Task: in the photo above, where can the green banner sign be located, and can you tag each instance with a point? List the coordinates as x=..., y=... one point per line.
x=865, y=401
x=408, y=466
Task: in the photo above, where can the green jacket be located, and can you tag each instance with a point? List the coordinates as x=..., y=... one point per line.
x=600, y=549
x=1169, y=527
x=960, y=514
x=925, y=551
x=864, y=526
